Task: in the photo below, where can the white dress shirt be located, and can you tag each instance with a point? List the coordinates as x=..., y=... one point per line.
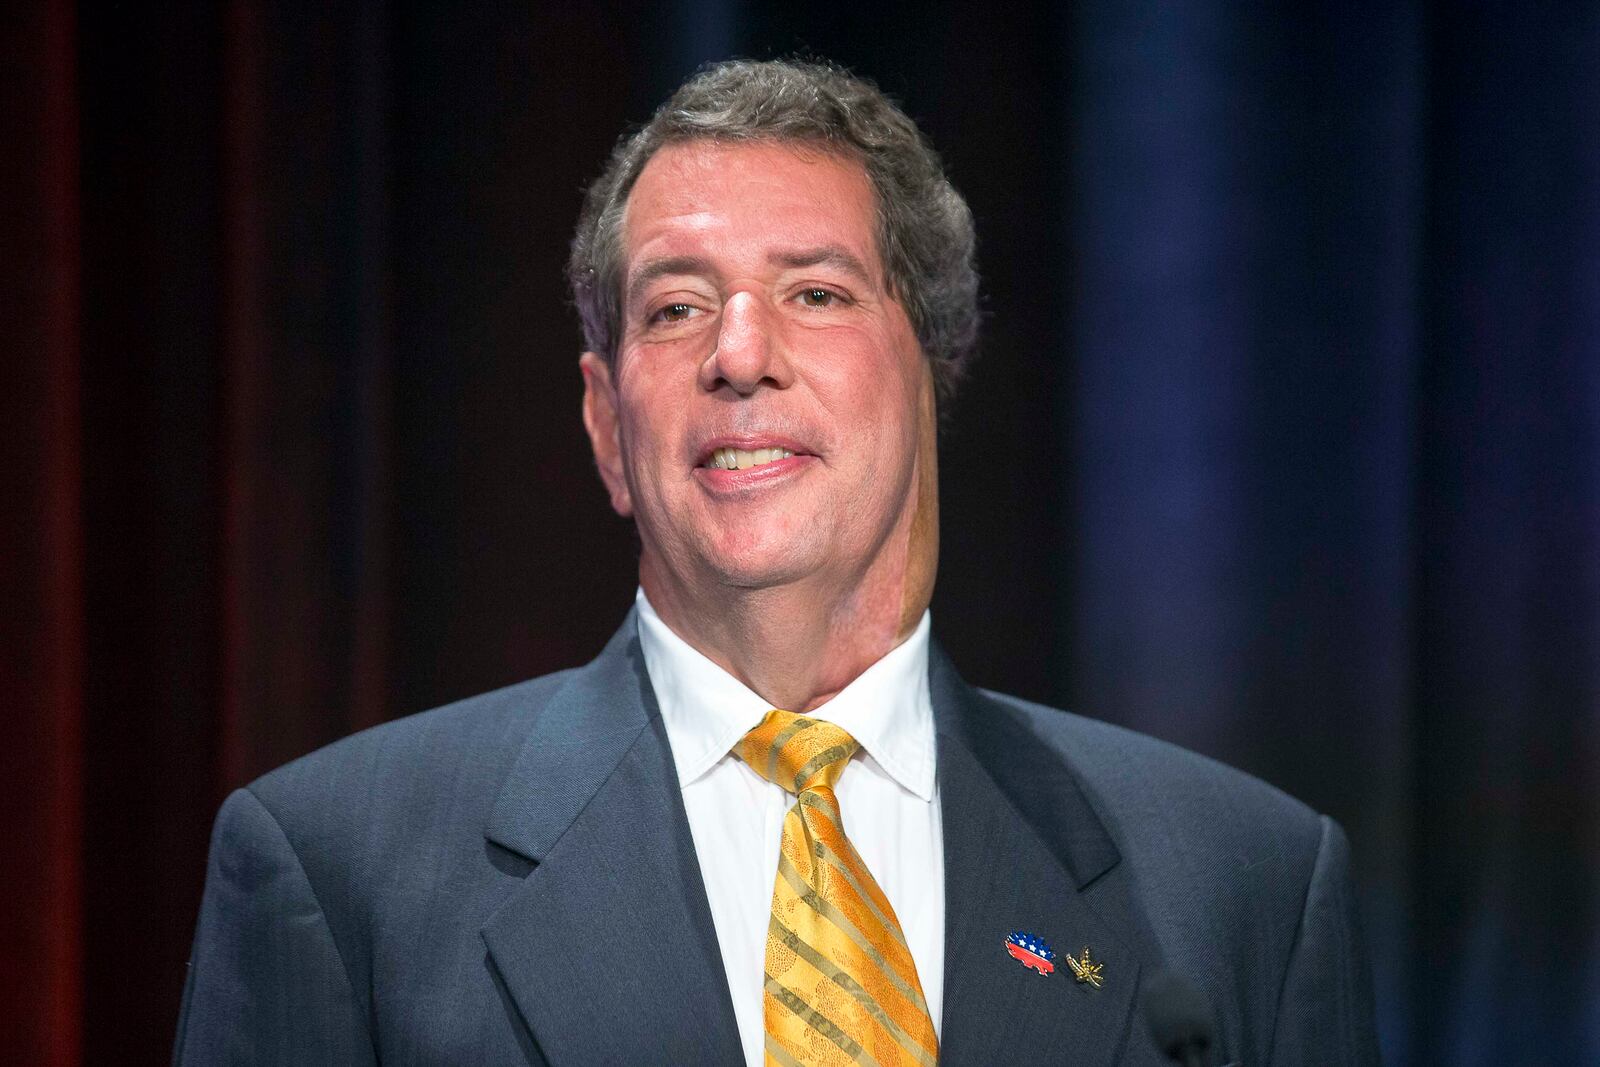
x=888, y=797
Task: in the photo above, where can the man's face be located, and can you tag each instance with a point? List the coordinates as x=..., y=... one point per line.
x=770, y=406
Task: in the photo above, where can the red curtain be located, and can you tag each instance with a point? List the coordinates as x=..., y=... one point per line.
x=229, y=537
x=41, y=626
x=193, y=486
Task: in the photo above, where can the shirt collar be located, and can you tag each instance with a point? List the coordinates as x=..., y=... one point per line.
x=706, y=710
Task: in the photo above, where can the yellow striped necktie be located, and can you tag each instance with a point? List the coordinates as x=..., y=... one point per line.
x=841, y=986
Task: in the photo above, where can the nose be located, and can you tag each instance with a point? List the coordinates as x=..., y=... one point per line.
x=749, y=350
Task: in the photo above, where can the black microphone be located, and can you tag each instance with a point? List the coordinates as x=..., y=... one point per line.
x=1180, y=1018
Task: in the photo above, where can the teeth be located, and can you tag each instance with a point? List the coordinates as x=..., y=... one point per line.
x=733, y=459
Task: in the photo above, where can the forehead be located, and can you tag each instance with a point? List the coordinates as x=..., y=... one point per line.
x=748, y=199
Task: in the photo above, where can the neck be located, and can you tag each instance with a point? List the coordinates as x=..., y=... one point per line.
x=796, y=644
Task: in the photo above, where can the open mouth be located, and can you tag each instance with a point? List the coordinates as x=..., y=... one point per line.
x=738, y=459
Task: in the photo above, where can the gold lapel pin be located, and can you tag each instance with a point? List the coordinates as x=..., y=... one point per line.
x=1085, y=969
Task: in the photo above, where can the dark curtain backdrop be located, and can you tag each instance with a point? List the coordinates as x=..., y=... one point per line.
x=1285, y=444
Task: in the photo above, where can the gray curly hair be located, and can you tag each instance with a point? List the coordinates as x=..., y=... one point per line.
x=925, y=237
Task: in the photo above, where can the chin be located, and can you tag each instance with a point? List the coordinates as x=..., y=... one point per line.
x=749, y=558
x=760, y=570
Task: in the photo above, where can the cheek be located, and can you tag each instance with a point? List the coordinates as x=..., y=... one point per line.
x=884, y=412
x=882, y=395
x=649, y=429
x=863, y=371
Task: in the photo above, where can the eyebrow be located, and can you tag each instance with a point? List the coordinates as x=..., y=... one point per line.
x=660, y=267
x=824, y=255
x=834, y=256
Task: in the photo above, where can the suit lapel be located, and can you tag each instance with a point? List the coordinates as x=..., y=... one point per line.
x=1023, y=850
x=607, y=947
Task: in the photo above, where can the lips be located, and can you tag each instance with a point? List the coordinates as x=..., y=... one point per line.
x=746, y=452
x=738, y=459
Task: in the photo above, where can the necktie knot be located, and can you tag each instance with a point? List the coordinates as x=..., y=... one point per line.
x=797, y=752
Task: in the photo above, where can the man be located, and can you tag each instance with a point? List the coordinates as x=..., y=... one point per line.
x=769, y=823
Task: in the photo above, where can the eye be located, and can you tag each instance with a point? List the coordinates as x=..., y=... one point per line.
x=673, y=313
x=818, y=298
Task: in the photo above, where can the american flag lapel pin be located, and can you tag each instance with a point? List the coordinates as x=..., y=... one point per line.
x=1030, y=951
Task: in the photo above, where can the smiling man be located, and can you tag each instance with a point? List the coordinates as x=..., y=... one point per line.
x=770, y=823
x=768, y=416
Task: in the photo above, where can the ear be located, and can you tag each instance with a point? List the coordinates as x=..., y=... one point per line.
x=602, y=418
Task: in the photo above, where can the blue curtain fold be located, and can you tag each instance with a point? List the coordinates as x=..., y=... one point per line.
x=1336, y=317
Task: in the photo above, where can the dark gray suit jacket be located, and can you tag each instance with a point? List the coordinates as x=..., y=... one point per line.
x=511, y=879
